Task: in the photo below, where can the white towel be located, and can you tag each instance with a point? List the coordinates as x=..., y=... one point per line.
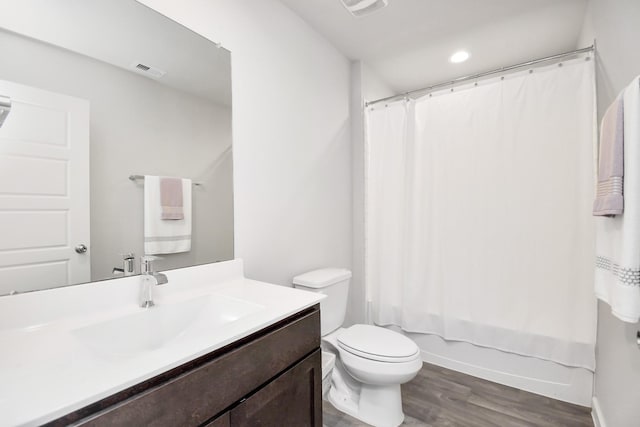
x=162, y=236
x=617, y=278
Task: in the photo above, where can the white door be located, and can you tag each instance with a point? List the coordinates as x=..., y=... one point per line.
x=44, y=190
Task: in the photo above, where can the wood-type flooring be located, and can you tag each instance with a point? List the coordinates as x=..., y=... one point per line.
x=440, y=397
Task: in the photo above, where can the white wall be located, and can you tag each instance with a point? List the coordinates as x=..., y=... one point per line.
x=365, y=86
x=373, y=86
x=615, y=25
x=137, y=126
x=292, y=153
x=356, y=307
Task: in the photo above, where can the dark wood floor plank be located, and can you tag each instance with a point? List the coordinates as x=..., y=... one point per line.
x=532, y=415
x=440, y=397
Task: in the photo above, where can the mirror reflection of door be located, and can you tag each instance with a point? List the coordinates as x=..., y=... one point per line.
x=44, y=190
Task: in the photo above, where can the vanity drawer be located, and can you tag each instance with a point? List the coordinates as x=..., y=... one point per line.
x=195, y=396
x=292, y=399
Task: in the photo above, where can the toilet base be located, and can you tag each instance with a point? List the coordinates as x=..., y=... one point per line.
x=380, y=406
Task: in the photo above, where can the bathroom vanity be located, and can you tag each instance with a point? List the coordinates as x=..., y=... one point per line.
x=249, y=382
x=217, y=350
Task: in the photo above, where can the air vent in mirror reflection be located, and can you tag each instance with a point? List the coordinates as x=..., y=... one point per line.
x=147, y=70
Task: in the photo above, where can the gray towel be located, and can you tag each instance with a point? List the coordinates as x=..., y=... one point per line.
x=171, y=198
x=609, y=198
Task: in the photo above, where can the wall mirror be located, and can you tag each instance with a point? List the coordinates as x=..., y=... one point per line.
x=95, y=95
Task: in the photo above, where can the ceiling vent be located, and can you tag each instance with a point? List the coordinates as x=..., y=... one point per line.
x=147, y=70
x=360, y=8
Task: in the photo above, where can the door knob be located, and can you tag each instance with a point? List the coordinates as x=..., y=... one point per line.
x=81, y=248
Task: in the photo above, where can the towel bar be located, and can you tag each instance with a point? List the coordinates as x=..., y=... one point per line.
x=137, y=177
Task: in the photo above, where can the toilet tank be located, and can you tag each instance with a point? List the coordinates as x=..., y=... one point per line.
x=334, y=283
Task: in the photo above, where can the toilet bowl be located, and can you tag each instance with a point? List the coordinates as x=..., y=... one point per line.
x=365, y=382
x=328, y=362
x=370, y=363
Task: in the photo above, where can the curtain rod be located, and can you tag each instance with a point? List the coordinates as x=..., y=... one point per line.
x=484, y=74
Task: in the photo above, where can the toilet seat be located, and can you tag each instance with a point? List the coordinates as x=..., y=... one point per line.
x=378, y=344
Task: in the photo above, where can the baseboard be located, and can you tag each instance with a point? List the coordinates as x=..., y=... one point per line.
x=577, y=391
x=596, y=413
x=543, y=377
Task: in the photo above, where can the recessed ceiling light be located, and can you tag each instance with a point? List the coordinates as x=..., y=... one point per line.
x=459, y=57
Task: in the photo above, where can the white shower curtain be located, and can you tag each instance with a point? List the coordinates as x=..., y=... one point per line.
x=479, y=224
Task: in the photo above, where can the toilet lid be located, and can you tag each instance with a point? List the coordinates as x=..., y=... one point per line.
x=376, y=343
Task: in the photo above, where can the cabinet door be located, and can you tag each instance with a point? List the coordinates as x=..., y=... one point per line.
x=292, y=399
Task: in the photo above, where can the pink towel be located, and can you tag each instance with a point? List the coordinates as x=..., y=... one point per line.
x=171, y=198
x=609, y=199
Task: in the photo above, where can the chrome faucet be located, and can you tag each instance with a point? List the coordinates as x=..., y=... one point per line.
x=150, y=279
x=127, y=269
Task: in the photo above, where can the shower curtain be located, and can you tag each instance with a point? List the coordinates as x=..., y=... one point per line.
x=478, y=214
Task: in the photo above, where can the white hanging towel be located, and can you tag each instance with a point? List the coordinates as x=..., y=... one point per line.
x=617, y=276
x=163, y=236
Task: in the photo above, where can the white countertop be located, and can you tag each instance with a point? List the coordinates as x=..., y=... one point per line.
x=46, y=372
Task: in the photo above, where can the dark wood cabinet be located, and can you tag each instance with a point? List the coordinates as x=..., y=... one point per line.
x=289, y=400
x=270, y=378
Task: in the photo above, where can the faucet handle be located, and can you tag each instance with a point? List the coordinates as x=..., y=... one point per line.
x=146, y=263
x=128, y=261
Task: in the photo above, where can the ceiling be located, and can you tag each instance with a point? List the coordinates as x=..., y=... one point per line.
x=124, y=33
x=408, y=43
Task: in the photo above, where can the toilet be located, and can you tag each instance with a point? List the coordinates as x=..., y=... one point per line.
x=362, y=365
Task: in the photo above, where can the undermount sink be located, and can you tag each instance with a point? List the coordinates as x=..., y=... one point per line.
x=155, y=327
